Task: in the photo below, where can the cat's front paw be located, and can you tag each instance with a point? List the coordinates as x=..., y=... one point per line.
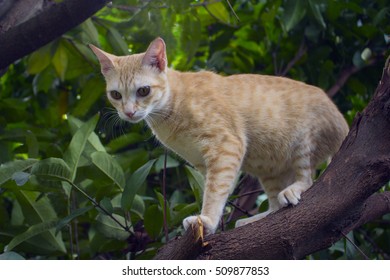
x=208, y=226
x=292, y=194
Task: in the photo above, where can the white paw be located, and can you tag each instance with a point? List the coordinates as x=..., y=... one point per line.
x=208, y=226
x=243, y=222
x=291, y=194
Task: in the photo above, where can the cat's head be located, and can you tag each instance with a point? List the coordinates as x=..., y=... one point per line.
x=137, y=84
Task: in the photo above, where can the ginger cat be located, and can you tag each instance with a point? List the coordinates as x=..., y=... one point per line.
x=274, y=128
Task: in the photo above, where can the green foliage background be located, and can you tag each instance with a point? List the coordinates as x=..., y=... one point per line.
x=77, y=183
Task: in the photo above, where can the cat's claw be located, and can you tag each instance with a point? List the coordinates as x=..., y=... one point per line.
x=291, y=194
x=208, y=225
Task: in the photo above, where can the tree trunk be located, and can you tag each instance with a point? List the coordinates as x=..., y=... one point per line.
x=341, y=200
x=49, y=24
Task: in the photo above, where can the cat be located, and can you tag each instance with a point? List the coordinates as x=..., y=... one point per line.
x=274, y=128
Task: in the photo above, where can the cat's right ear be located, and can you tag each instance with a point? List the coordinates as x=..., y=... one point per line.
x=106, y=60
x=155, y=55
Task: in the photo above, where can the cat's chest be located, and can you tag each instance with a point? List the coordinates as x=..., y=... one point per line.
x=181, y=142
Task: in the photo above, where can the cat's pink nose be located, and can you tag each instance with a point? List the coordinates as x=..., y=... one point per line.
x=130, y=114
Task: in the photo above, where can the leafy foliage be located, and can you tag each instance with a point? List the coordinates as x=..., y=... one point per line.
x=75, y=184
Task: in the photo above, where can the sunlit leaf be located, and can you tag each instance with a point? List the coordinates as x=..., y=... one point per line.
x=89, y=28
x=77, y=145
x=117, y=42
x=60, y=61
x=39, y=60
x=219, y=11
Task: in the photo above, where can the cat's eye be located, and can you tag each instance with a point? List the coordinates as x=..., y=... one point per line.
x=143, y=91
x=115, y=95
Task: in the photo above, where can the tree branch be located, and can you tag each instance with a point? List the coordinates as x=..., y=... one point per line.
x=340, y=200
x=45, y=27
x=347, y=73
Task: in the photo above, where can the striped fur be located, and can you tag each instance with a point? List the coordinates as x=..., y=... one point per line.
x=274, y=128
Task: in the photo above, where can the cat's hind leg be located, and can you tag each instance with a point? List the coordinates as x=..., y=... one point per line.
x=272, y=186
x=303, y=169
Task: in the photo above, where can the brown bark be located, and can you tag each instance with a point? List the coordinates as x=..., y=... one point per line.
x=342, y=199
x=49, y=24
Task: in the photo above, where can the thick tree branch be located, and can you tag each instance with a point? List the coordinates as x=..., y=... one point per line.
x=45, y=27
x=341, y=199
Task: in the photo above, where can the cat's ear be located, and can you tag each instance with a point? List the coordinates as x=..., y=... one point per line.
x=155, y=55
x=106, y=60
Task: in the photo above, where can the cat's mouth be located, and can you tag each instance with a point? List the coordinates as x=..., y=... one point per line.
x=132, y=118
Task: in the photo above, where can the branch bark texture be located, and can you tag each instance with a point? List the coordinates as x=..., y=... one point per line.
x=342, y=199
x=51, y=23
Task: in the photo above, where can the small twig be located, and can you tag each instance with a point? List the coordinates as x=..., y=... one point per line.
x=165, y=197
x=356, y=247
x=234, y=12
x=251, y=192
x=346, y=74
x=301, y=51
x=377, y=249
x=240, y=209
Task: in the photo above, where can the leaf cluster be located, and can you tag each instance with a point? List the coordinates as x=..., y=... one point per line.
x=77, y=184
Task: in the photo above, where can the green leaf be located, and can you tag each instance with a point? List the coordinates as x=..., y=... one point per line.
x=196, y=180
x=124, y=141
x=32, y=144
x=219, y=11
x=153, y=221
x=171, y=163
x=8, y=169
x=60, y=61
x=76, y=213
x=39, y=60
x=315, y=8
x=52, y=168
x=21, y=177
x=107, y=205
x=91, y=91
x=138, y=206
x=134, y=183
x=11, y=256
x=161, y=199
x=31, y=232
x=109, y=166
x=184, y=212
x=117, y=42
x=107, y=226
x=93, y=139
x=77, y=145
x=293, y=14
x=89, y=28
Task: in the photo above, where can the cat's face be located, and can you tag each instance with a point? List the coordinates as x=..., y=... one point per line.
x=136, y=84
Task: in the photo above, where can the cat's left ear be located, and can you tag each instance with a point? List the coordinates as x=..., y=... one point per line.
x=106, y=60
x=155, y=55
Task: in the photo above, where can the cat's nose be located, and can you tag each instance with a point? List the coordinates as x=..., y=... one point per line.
x=130, y=114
